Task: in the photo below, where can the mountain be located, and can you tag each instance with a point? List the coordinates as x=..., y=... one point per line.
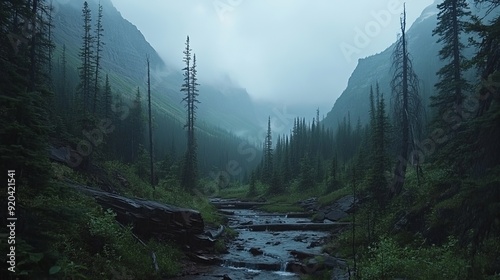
x=124, y=59
x=423, y=48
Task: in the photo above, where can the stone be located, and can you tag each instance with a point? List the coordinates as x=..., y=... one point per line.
x=314, y=244
x=300, y=238
x=346, y=203
x=335, y=215
x=256, y=251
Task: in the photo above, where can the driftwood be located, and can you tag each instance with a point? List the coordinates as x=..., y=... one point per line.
x=153, y=219
x=288, y=227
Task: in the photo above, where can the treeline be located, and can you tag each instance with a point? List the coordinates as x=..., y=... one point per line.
x=25, y=89
x=313, y=156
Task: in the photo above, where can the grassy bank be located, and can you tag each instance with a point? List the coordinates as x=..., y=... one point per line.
x=66, y=234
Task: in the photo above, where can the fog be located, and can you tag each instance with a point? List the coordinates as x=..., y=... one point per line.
x=291, y=52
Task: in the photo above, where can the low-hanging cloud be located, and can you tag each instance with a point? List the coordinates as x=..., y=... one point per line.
x=282, y=51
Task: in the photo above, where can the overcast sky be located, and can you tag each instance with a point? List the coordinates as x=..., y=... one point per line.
x=284, y=51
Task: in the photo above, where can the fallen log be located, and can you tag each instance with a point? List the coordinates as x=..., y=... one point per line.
x=289, y=227
x=153, y=219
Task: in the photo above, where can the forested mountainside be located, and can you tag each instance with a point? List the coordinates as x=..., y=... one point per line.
x=124, y=53
x=424, y=49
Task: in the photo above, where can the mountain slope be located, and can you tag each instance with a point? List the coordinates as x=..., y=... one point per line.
x=423, y=49
x=124, y=59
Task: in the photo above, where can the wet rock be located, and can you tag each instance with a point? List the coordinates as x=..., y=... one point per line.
x=335, y=215
x=310, y=204
x=276, y=243
x=300, y=238
x=247, y=223
x=256, y=251
x=314, y=244
x=346, y=203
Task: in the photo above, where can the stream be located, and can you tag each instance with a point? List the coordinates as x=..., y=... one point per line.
x=262, y=254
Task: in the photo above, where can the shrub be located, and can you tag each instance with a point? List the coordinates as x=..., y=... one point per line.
x=388, y=261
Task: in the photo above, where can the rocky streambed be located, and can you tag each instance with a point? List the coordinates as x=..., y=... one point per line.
x=272, y=246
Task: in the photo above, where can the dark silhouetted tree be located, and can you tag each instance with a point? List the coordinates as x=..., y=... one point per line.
x=150, y=122
x=267, y=172
x=452, y=85
x=407, y=106
x=97, y=57
x=86, y=54
x=190, y=89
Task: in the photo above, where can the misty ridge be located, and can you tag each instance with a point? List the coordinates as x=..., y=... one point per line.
x=259, y=139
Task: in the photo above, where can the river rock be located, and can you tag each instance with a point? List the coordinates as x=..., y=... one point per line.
x=314, y=244
x=300, y=238
x=256, y=251
x=310, y=204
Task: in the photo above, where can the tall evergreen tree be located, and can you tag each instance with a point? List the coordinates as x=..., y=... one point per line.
x=487, y=58
x=268, y=155
x=407, y=105
x=150, y=127
x=189, y=87
x=107, y=98
x=376, y=179
x=452, y=85
x=23, y=96
x=86, y=54
x=97, y=57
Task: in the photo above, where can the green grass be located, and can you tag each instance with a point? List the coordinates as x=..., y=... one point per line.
x=239, y=192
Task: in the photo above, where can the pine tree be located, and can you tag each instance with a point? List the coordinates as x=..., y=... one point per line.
x=487, y=58
x=150, y=127
x=190, y=89
x=107, y=98
x=252, y=189
x=376, y=179
x=86, y=54
x=97, y=58
x=23, y=95
x=407, y=105
x=268, y=155
x=452, y=86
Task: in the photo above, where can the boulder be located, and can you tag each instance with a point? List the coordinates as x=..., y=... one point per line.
x=346, y=203
x=335, y=215
x=256, y=251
